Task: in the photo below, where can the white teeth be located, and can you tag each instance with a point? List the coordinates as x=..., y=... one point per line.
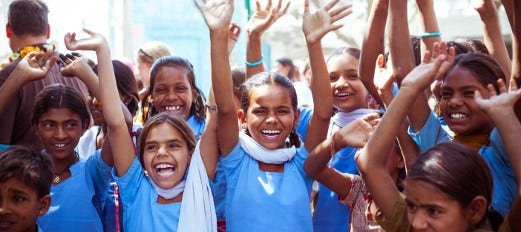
x=60, y=145
x=342, y=94
x=164, y=166
x=458, y=115
x=272, y=132
x=172, y=108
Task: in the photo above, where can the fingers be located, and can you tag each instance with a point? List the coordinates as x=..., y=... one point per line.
x=513, y=84
x=268, y=6
x=341, y=12
x=330, y=5
x=306, y=7
x=427, y=57
x=502, y=86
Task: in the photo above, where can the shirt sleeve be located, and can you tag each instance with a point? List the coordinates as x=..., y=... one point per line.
x=431, y=134
x=130, y=182
x=398, y=220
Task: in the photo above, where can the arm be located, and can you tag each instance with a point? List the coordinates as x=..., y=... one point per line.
x=33, y=66
x=373, y=157
x=492, y=35
x=217, y=15
x=209, y=144
x=373, y=44
x=259, y=22
x=500, y=109
x=429, y=24
x=355, y=134
x=315, y=26
x=121, y=144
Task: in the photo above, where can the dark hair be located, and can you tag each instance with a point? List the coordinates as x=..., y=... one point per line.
x=198, y=109
x=416, y=49
x=354, y=52
x=60, y=96
x=32, y=168
x=456, y=170
x=484, y=67
x=238, y=78
x=28, y=17
x=267, y=78
x=284, y=61
x=126, y=84
x=466, y=45
x=178, y=123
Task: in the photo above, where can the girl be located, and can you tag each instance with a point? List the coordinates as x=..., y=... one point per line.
x=59, y=117
x=263, y=164
x=469, y=73
x=448, y=188
x=173, y=90
x=152, y=184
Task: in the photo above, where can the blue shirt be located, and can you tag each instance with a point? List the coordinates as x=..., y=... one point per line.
x=141, y=212
x=266, y=201
x=77, y=202
x=495, y=155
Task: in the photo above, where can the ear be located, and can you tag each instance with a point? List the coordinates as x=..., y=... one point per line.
x=296, y=118
x=400, y=162
x=45, y=203
x=477, y=209
x=8, y=30
x=48, y=31
x=241, y=115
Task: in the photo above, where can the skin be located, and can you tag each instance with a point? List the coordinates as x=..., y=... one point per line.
x=165, y=146
x=172, y=89
x=457, y=93
x=344, y=79
x=429, y=209
x=144, y=72
x=20, y=206
x=60, y=127
x=270, y=117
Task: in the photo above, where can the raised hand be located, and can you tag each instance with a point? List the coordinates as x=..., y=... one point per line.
x=73, y=65
x=93, y=43
x=497, y=102
x=34, y=66
x=356, y=133
x=383, y=76
x=424, y=74
x=216, y=13
x=262, y=19
x=316, y=25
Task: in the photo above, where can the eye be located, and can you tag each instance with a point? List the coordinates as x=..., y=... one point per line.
x=181, y=89
x=159, y=90
x=283, y=111
x=259, y=111
x=433, y=211
x=469, y=93
x=18, y=198
x=47, y=125
x=446, y=94
x=71, y=125
x=175, y=145
x=333, y=77
x=411, y=207
x=353, y=76
x=150, y=147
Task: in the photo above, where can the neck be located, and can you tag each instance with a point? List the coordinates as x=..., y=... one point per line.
x=18, y=42
x=271, y=167
x=162, y=200
x=60, y=165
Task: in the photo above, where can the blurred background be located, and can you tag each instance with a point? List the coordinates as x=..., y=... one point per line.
x=128, y=24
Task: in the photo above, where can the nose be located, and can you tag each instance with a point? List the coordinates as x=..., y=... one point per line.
x=172, y=95
x=4, y=209
x=271, y=118
x=455, y=102
x=418, y=222
x=59, y=132
x=342, y=82
x=162, y=150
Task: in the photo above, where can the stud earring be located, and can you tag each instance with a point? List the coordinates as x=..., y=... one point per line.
x=146, y=173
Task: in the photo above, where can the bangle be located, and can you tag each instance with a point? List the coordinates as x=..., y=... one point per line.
x=254, y=64
x=214, y=108
x=430, y=34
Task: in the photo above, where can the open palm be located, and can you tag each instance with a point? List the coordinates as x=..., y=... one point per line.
x=262, y=19
x=216, y=13
x=316, y=25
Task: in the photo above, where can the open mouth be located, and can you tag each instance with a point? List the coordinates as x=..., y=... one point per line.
x=59, y=145
x=172, y=108
x=458, y=116
x=343, y=94
x=165, y=170
x=271, y=134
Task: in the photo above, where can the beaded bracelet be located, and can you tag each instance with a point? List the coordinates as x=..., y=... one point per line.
x=430, y=34
x=254, y=64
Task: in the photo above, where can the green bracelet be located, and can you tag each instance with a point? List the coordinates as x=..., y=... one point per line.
x=254, y=64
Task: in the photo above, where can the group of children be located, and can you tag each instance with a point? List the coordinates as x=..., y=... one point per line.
x=259, y=158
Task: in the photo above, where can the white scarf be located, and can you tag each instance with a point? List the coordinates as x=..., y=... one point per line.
x=197, y=207
x=260, y=153
x=341, y=119
x=170, y=193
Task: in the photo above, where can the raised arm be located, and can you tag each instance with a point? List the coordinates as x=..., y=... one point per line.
x=121, y=143
x=259, y=22
x=373, y=157
x=500, y=109
x=373, y=44
x=355, y=134
x=492, y=35
x=33, y=66
x=315, y=26
x=429, y=25
x=217, y=15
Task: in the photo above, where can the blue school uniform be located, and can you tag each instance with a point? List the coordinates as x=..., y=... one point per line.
x=330, y=214
x=266, y=201
x=141, y=212
x=303, y=121
x=495, y=155
x=197, y=126
x=76, y=203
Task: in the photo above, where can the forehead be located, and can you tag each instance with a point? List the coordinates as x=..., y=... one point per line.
x=164, y=132
x=342, y=62
x=14, y=184
x=423, y=193
x=269, y=95
x=172, y=75
x=461, y=77
x=59, y=115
